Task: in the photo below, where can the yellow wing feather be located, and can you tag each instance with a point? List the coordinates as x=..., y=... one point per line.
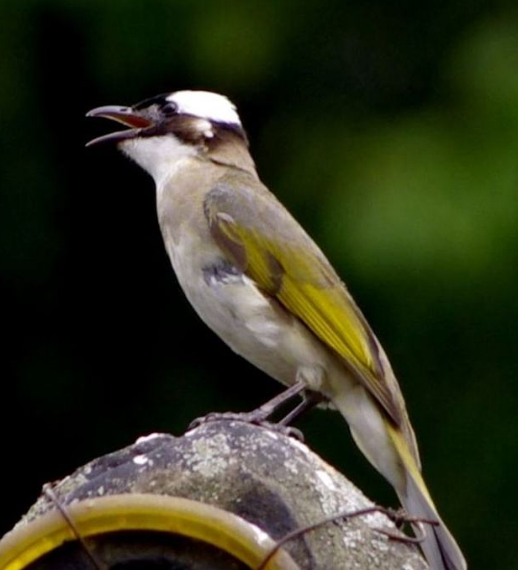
x=305, y=283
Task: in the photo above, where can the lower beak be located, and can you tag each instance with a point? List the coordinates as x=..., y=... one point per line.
x=125, y=115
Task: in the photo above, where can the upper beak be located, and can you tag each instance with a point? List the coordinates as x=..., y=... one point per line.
x=125, y=115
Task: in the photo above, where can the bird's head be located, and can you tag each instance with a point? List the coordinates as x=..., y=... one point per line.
x=169, y=127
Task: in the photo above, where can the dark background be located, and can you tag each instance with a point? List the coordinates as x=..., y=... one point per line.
x=390, y=129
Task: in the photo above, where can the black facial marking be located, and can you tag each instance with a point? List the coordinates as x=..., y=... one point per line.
x=166, y=117
x=156, y=100
x=221, y=272
x=169, y=108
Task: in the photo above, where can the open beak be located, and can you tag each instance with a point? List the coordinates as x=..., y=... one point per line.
x=125, y=115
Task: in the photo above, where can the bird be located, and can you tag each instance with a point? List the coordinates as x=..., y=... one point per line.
x=258, y=280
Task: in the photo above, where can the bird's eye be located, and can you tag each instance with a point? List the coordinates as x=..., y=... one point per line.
x=169, y=109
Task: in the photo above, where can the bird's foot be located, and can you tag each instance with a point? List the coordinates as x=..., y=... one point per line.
x=256, y=417
x=261, y=415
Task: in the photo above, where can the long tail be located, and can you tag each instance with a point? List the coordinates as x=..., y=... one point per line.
x=439, y=547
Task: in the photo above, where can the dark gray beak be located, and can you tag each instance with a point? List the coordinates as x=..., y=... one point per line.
x=125, y=115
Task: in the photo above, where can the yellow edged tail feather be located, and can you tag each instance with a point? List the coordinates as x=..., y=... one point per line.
x=439, y=547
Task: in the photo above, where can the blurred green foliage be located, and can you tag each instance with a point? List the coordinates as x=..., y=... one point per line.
x=389, y=129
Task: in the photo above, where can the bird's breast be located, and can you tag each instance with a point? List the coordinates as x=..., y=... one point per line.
x=225, y=298
x=253, y=324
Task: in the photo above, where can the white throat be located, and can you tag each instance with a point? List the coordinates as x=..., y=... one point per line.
x=160, y=156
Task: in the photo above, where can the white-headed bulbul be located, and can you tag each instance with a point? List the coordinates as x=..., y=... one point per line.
x=260, y=282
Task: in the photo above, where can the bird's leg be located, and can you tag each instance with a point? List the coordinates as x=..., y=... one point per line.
x=260, y=415
x=266, y=410
x=310, y=400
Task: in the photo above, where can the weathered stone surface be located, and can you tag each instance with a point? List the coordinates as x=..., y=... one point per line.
x=269, y=479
